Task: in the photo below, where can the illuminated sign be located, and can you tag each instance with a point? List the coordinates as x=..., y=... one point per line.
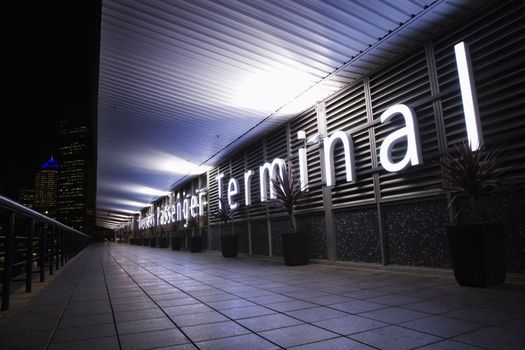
x=187, y=205
x=408, y=133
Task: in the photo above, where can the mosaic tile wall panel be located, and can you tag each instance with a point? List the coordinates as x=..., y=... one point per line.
x=357, y=235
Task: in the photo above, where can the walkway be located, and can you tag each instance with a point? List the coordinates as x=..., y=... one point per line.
x=129, y=297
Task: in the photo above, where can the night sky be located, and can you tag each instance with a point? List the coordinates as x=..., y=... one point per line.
x=52, y=70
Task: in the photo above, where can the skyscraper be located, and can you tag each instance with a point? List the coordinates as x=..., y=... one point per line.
x=45, y=188
x=75, y=198
x=26, y=196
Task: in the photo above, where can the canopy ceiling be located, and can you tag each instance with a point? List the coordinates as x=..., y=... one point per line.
x=184, y=83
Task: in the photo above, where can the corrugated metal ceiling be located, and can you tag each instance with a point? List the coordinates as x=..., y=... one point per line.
x=184, y=83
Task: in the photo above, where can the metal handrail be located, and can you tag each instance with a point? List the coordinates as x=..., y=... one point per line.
x=57, y=244
x=10, y=204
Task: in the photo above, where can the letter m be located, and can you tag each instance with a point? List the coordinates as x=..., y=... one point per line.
x=267, y=172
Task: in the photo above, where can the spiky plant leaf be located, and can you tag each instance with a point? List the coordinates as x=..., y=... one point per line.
x=225, y=213
x=288, y=192
x=474, y=173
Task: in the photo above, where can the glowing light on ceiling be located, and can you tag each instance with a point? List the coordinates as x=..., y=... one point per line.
x=126, y=202
x=269, y=91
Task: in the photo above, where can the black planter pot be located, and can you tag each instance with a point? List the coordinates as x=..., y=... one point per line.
x=196, y=244
x=152, y=242
x=478, y=254
x=175, y=243
x=229, y=246
x=295, y=248
x=163, y=242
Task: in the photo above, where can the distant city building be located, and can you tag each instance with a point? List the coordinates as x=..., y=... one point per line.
x=76, y=189
x=26, y=196
x=46, y=188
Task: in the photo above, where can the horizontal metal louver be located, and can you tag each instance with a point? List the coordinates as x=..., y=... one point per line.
x=347, y=112
x=237, y=171
x=307, y=122
x=406, y=81
x=213, y=195
x=499, y=73
x=276, y=147
x=254, y=160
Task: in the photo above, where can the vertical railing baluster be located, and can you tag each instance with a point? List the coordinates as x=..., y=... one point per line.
x=8, y=262
x=57, y=248
x=29, y=261
x=43, y=253
x=51, y=248
x=62, y=246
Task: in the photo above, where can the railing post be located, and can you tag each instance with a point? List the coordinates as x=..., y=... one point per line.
x=51, y=248
x=8, y=264
x=62, y=246
x=66, y=245
x=29, y=262
x=43, y=253
x=57, y=248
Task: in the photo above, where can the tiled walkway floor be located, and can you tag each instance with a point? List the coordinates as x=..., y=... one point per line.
x=127, y=297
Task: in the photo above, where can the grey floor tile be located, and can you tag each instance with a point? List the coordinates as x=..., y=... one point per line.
x=290, y=305
x=395, y=299
x=441, y=326
x=316, y=314
x=247, y=341
x=230, y=304
x=449, y=345
x=86, y=311
x=214, y=330
x=217, y=297
x=357, y=306
x=364, y=294
x=108, y=343
x=136, y=299
x=137, y=326
x=267, y=322
x=186, y=309
x=481, y=316
x=188, y=346
x=86, y=320
x=137, y=305
x=334, y=344
x=198, y=318
x=154, y=339
x=15, y=341
x=24, y=327
x=394, y=338
x=269, y=299
x=349, y=324
x=515, y=325
x=394, y=315
x=138, y=315
x=494, y=338
x=84, y=332
x=329, y=299
x=246, y=312
x=297, y=335
x=434, y=307
x=177, y=302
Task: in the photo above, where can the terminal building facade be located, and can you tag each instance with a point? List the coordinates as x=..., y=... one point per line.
x=380, y=216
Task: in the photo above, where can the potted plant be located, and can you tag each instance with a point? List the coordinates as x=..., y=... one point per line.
x=163, y=239
x=288, y=192
x=153, y=237
x=175, y=237
x=196, y=239
x=229, y=240
x=145, y=239
x=476, y=246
